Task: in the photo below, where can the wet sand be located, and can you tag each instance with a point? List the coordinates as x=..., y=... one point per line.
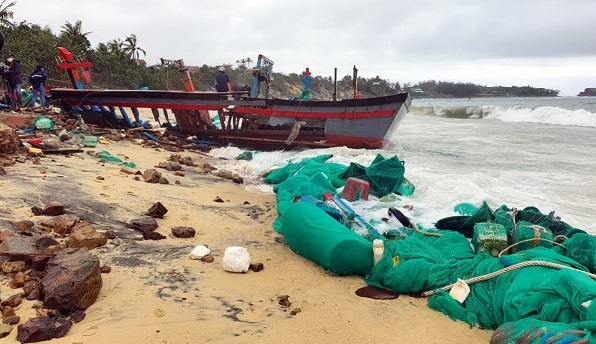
x=155, y=294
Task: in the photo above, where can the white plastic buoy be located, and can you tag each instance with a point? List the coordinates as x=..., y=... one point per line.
x=199, y=252
x=378, y=249
x=460, y=291
x=236, y=259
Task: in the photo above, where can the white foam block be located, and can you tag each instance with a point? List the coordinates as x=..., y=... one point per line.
x=199, y=252
x=236, y=259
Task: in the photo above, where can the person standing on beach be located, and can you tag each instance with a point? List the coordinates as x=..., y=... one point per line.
x=14, y=78
x=222, y=81
x=37, y=79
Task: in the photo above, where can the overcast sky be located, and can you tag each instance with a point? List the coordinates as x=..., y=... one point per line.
x=541, y=43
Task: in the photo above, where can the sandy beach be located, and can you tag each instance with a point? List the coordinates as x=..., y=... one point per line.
x=156, y=294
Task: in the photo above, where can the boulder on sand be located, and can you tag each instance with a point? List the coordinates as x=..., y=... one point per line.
x=71, y=280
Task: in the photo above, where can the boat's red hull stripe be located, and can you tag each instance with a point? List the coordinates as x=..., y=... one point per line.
x=314, y=114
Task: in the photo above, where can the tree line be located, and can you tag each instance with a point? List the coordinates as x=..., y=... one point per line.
x=117, y=64
x=442, y=89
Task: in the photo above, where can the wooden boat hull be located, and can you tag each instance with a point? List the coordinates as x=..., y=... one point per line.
x=254, y=122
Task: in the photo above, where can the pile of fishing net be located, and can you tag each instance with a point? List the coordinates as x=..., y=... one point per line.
x=538, y=291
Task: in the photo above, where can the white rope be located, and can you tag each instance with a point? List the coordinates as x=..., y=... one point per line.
x=508, y=269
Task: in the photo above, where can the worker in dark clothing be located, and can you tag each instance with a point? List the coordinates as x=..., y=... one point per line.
x=14, y=78
x=222, y=81
x=37, y=80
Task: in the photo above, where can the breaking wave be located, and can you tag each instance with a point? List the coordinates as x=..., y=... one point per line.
x=543, y=114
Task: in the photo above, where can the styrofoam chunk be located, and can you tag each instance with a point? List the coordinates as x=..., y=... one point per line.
x=460, y=291
x=199, y=252
x=236, y=259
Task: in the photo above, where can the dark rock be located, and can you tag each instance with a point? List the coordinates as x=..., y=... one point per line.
x=19, y=244
x=110, y=234
x=208, y=259
x=37, y=211
x=100, y=178
x=39, y=262
x=43, y=328
x=13, y=320
x=13, y=301
x=54, y=208
x=105, y=269
x=6, y=234
x=23, y=225
x=163, y=180
x=127, y=170
x=376, y=293
x=295, y=311
x=30, y=285
x=218, y=199
x=61, y=224
x=177, y=182
x=183, y=232
x=145, y=224
x=225, y=174
x=77, y=316
x=246, y=202
x=7, y=311
x=71, y=281
x=206, y=168
x=5, y=330
x=35, y=294
x=151, y=176
x=256, y=267
x=284, y=300
x=157, y=210
x=180, y=173
x=84, y=235
x=237, y=179
x=13, y=267
x=41, y=243
x=2, y=171
x=136, y=178
x=153, y=236
x=17, y=281
x=173, y=166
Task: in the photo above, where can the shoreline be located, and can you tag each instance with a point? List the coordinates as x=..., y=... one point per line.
x=155, y=294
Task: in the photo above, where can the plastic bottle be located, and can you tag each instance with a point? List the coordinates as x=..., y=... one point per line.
x=378, y=249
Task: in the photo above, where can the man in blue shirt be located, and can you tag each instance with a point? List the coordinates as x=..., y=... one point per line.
x=222, y=81
x=37, y=80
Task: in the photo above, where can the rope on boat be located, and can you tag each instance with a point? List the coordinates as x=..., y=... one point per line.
x=508, y=269
x=294, y=133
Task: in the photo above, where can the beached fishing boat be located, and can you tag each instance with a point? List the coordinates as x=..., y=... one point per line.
x=246, y=120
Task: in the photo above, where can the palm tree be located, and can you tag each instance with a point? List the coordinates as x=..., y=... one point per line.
x=131, y=49
x=116, y=46
x=248, y=61
x=6, y=14
x=73, y=30
x=72, y=35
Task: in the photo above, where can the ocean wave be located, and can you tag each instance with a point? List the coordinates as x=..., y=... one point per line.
x=542, y=114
